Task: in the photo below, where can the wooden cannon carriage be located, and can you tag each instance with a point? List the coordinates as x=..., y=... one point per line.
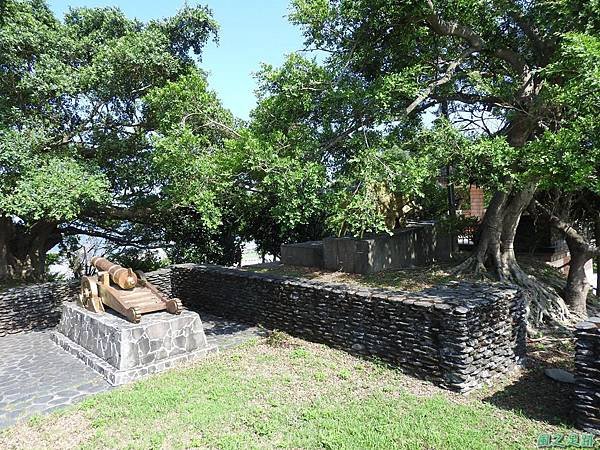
x=123, y=290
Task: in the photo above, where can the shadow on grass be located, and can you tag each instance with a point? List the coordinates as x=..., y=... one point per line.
x=536, y=396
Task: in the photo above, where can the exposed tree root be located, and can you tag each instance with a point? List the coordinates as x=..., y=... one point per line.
x=471, y=267
x=544, y=304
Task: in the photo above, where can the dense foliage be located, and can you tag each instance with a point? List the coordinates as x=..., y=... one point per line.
x=108, y=128
x=75, y=148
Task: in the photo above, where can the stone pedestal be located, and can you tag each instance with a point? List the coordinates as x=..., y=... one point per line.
x=122, y=351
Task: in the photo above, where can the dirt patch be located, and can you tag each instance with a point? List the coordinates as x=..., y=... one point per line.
x=65, y=431
x=408, y=279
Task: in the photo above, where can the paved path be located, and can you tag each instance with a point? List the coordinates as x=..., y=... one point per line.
x=36, y=376
x=227, y=333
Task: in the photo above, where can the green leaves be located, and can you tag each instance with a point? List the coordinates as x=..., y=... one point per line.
x=377, y=188
x=277, y=180
x=192, y=128
x=245, y=183
x=569, y=158
x=74, y=135
x=187, y=175
x=188, y=103
x=57, y=189
x=130, y=64
x=189, y=29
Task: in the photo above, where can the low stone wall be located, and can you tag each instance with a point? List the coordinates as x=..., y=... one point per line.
x=416, y=245
x=34, y=307
x=587, y=375
x=459, y=336
x=161, y=278
x=38, y=306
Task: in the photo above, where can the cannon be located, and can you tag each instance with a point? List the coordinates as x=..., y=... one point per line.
x=123, y=290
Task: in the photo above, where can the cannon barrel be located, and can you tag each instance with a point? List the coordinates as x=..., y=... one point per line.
x=122, y=277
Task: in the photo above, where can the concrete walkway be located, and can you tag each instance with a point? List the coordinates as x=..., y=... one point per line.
x=36, y=376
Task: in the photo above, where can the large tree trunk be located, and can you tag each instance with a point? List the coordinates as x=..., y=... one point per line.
x=5, y=237
x=578, y=286
x=488, y=244
x=494, y=254
x=597, y=242
x=23, y=249
x=581, y=251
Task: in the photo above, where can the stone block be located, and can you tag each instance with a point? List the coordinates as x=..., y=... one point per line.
x=306, y=254
x=123, y=351
x=416, y=245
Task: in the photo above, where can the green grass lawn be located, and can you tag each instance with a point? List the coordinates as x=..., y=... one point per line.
x=288, y=393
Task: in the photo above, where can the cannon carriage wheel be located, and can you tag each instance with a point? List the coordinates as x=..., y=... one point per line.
x=134, y=315
x=89, y=297
x=174, y=306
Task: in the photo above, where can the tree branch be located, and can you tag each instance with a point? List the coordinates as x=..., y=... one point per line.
x=568, y=230
x=341, y=136
x=531, y=32
x=445, y=79
x=473, y=99
x=445, y=28
x=210, y=122
x=139, y=215
x=141, y=244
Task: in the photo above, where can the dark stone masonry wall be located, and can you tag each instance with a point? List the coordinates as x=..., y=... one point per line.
x=587, y=375
x=161, y=279
x=459, y=336
x=34, y=307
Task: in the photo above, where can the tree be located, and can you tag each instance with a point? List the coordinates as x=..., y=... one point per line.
x=568, y=164
x=574, y=215
x=75, y=148
x=332, y=118
x=233, y=186
x=493, y=64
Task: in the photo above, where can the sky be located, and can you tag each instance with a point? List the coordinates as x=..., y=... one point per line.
x=252, y=32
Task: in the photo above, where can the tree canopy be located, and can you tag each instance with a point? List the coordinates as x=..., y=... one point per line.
x=75, y=150
x=109, y=128
x=512, y=84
